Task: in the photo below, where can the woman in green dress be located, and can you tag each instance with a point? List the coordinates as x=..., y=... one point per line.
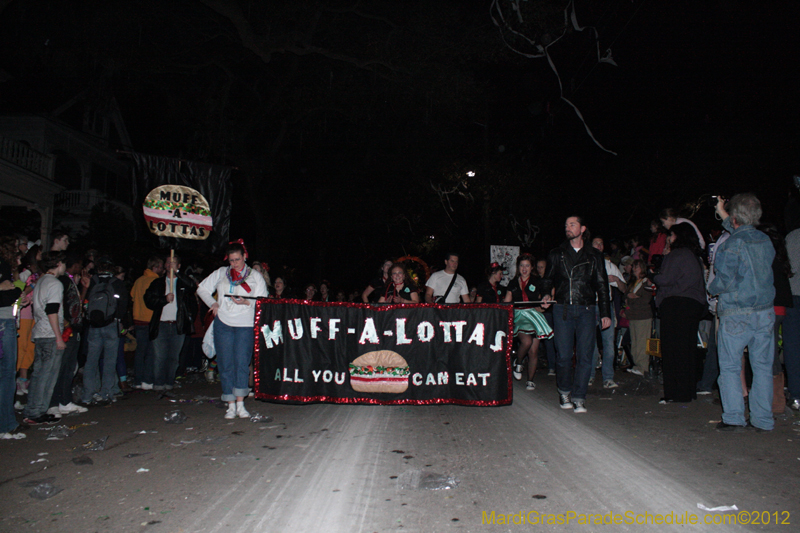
x=530, y=325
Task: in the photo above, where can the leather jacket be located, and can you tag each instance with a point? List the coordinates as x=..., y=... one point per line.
x=579, y=278
x=155, y=298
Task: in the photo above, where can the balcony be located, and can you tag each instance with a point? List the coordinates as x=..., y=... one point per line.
x=25, y=157
x=81, y=202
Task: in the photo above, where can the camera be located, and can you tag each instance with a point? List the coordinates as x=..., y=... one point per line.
x=713, y=200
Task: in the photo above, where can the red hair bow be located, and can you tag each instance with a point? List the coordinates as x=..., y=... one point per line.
x=238, y=241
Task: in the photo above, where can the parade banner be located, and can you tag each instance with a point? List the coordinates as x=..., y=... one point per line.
x=186, y=204
x=413, y=354
x=178, y=211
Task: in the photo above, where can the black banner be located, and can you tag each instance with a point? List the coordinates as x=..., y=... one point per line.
x=386, y=355
x=213, y=182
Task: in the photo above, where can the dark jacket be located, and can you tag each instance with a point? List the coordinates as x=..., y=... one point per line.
x=579, y=278
x=155, y=298
x=681, y=274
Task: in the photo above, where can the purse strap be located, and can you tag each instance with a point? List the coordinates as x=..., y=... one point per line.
x=449, y=287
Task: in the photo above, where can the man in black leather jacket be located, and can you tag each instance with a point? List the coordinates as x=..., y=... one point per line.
x=174, y=309
x=576, y=275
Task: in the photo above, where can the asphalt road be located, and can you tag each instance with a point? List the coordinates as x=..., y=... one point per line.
x=389, y=468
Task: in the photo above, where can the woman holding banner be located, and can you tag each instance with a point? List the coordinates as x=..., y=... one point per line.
x=237, y=288
x=530, y=325
x=399, y=289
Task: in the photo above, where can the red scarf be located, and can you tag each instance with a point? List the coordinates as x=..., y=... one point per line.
x=236, y=275
x=524, y=292
x=393, y=287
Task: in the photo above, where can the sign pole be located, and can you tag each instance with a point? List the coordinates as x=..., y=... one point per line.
x=172, y=270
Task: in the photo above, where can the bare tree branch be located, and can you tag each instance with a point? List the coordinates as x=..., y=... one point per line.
x=255, y=44
x=233, y=13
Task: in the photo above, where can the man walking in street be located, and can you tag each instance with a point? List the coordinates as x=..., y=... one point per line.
x=745, y=293
x=143, y=363
x=174, y=305
x=576, y=275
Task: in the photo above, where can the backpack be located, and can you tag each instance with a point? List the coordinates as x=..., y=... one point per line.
x=102, y=302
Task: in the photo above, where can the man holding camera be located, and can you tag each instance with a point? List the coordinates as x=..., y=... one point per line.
x=744, y=287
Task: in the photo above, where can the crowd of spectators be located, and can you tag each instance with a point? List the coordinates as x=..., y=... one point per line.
x=75, y=333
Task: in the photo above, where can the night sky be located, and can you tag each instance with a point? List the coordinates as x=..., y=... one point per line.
x=341, y=116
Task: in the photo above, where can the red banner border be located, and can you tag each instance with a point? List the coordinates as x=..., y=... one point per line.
x=369, y=401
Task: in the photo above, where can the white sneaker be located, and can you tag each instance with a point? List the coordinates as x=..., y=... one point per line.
x=231, y=412
x=636, y=372
x=71, y=408
x=54, y=411
x=530, y=385
x=19, y=406
x=12, y=436
x=147, y=386
x=241, y=412
x=517, y=370
x=580, y=406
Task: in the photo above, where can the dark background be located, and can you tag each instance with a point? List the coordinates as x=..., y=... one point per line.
x=343, y=118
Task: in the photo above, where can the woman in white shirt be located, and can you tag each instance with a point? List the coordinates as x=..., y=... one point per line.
x=237, y=286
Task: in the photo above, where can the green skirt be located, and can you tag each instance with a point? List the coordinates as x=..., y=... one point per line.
x=531, y=322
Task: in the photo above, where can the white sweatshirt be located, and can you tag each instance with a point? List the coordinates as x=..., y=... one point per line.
x=230, y=313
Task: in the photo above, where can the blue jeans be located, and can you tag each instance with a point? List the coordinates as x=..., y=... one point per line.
x=607, y=336
x=102, y=342
x=736, y=332
x=62, y=393
x=234, y=351
x=167, y=347
x=143, y=364
x=8, y=370
x=791, y=348
x=47, y=364
x=574, y=328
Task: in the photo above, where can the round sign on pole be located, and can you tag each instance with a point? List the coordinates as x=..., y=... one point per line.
x=177, y=211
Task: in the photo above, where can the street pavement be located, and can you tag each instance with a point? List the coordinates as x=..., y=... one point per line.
x=351, y=468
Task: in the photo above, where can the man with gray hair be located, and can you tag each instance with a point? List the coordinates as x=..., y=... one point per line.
x=745, y=292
